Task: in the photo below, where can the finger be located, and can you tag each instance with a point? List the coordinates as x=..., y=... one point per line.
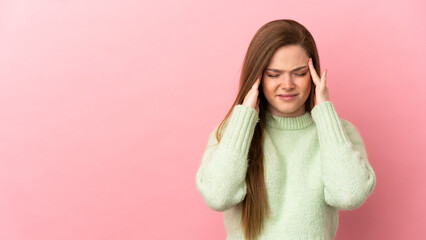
x=257, y=83
x=323, y=77
x=314, y=74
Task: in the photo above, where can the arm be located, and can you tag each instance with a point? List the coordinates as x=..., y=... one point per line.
x=221, y=177
x=347, y=174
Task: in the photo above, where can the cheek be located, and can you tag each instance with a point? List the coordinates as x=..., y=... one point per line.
x=307, y=84
x=268, y=91
x=266, y=87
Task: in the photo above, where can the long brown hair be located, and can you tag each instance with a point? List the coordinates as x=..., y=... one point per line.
x=265, y=42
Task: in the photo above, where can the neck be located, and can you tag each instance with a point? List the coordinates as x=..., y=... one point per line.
x=288, y=123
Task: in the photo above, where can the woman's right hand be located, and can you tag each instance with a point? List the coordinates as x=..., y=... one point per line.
x=252, y=97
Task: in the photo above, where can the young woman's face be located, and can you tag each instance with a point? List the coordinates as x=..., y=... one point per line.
x=287, y=73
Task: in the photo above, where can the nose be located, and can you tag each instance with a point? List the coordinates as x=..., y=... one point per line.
x=286, y=82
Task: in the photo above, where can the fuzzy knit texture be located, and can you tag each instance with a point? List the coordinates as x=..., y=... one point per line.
x=314, y=165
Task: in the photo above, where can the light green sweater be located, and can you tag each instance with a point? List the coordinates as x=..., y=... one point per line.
x=314, y=165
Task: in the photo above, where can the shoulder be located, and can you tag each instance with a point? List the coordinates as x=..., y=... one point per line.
x=346, y=123
x=351, y=130
x=212, y=140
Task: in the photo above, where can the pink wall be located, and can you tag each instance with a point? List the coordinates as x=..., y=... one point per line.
x=106, y=106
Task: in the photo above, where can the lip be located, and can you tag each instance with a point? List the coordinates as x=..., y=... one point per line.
x=287, y=96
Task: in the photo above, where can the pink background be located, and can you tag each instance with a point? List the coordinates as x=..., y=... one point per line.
x=106, y=106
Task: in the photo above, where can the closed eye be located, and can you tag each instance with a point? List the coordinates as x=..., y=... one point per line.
x=300, y=75
x=303, y=74
x=272, y=76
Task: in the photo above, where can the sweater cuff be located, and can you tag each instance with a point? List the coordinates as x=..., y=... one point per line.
x=329, y=125
x=239, y=130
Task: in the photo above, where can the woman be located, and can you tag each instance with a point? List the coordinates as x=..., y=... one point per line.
x=282, y=163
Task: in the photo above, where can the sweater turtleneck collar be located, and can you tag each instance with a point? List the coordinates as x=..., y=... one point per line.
x=288, y=123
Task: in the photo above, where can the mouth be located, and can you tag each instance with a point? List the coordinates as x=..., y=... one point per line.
x=287, y=97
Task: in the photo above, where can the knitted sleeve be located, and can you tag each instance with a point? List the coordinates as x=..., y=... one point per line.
x=347, y=175
x=221, y=176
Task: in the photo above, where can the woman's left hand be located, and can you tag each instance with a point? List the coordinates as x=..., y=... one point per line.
x=321, y=90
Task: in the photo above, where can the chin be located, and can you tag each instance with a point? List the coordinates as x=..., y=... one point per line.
x=287, y=109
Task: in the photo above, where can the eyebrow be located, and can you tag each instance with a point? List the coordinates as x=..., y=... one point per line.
x=279, y=71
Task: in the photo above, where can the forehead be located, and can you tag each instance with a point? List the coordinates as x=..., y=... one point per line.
x=288, y=57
